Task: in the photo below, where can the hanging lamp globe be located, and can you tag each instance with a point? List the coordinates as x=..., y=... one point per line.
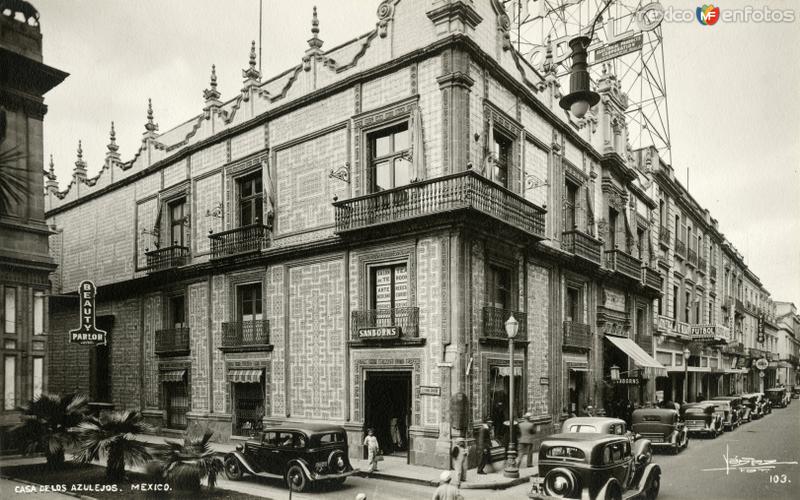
x=580, y=97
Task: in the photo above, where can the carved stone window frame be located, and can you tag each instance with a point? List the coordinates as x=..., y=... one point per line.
x=398, y=254
x=232, y=174
x=579, y=283
x=495, y=119
x=371, y=121
x=249, y=277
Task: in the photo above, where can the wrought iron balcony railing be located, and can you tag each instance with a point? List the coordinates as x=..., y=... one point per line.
x=245, y=334
x=663, y=236
x=651, y=278
x=172, y=342
x=577, y=335
x=734, y=348
x=385, y=324
x=582, y=245
x=620, y=262
x=702, y=264
x=462, y=191
x=494, y=323
x=740, y=306
x=680, y=247
x=713, y=272
x=166, y=258
x=692, y=257
x=241, y=240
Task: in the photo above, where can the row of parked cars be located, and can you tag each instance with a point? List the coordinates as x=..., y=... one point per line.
x=599, y=458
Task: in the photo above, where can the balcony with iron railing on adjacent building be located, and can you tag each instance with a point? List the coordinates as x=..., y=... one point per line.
x=456, y=195
x=239, y=241
x=651, y=279
x=734, y=348
x=663, y=236
x=740, y=308
x=712, y=271
x=692, y=257
x=577, y=336
x=245, y=336
x=494, y=324
x=680, y=247
x=702, y=264
x=172, y=342
x=166, y=258
x=623, y=263
x=399, y=325
x=582, y=245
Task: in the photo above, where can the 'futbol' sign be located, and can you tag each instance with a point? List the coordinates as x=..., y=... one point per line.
x=87, y=333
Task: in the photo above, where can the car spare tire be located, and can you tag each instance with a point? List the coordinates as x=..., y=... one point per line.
x=337, y=462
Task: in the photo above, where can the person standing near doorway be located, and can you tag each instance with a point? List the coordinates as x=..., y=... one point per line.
x=526, y=438
x=394, y=432
x=373, y=450
x=484, y=446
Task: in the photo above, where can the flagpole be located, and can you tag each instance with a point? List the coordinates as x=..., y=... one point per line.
x=260, y=9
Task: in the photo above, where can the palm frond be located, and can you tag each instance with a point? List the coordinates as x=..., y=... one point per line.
x=13, y=185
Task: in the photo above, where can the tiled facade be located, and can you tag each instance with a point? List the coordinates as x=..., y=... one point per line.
x=466, y=240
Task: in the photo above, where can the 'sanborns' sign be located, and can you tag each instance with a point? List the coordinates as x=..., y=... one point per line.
x=87, y=334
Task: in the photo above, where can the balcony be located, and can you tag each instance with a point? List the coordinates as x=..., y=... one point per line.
x=172, y=342
x=756, y=353
x=577, y=336
x=712, y=271
x=398, y=325
x=680, y=247
x=462, y=192
x=620, y=262
x=692, y=257
x=166, y=258
x=735, y=348
x=702, y=264
x=740, y=306
x=245, y=336
x=651, y=279
x=582, y=245
x=663, y=236
x=239, y=241
x=494, y=324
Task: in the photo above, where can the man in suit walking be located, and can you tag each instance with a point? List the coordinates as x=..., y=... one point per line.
x=484, y=446
x=527, y=432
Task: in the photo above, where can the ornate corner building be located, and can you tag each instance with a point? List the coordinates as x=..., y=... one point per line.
x=25, y=263
x=345, y=241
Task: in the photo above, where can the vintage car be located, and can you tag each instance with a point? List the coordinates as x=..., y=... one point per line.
x=301, y=455
x=796, y=392
x=603, y=425
x=758, y=404
x=594, y=466
x=777, y=397
x=730, y=415
x=703, y=418
x=662, y=427
x=742, y=412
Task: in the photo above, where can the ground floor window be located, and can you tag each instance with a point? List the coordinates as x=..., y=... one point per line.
x=177, y=404
x=248, y=408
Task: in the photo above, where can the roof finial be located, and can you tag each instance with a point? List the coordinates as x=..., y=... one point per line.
x=150, y=126
x=80, y=151
x=80, y=165
x=213, y=77
x=212, y=95
x=251, y=75
x=315, y=43
x=253, y=54
x=52, y=173
x=112, y=134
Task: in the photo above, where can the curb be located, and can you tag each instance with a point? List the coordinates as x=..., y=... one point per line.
x=494, y=485
x=31, y=483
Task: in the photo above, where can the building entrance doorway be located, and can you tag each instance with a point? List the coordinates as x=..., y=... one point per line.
x=577, y=402
x=387, y=409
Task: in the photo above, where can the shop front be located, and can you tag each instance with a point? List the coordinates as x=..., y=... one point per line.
x=630, y=371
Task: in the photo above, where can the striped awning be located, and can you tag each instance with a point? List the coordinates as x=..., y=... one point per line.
x=650, y=367
x=238, y=376
x=172, y=375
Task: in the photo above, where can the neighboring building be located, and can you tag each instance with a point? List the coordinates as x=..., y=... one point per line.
x=788, y=360
x=25, y=262
x=346, y=240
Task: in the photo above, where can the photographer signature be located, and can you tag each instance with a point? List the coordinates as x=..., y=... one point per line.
x=747, y=464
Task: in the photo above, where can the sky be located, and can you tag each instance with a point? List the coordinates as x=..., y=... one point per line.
x=733, y=92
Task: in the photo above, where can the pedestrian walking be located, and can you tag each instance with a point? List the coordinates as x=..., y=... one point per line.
x=459, y=454
x=484, y=446
x=527, y=430
x=373, y=450
x=446, y=491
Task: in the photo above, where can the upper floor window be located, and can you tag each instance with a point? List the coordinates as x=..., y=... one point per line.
x=641, y=322
x=38, y=313
x=251, y=199
x=570, y=204
x=389, y=286
x=501, y=148
x=573, y=308
x=687, y=307
x=613, y=215
x=10, y=310
x=677, y=227
x=177, y=218
x=389, y=157
x=177, y=311
x=675, y=303
x=641, y=241
x=499, y=281
x=249, y=306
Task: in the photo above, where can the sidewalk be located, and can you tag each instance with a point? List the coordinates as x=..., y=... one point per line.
x=396, y=469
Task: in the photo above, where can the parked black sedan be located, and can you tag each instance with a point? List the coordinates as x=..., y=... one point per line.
x=300, y=455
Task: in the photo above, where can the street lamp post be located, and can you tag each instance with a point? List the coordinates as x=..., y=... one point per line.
x=686, y=354
x=511, y=469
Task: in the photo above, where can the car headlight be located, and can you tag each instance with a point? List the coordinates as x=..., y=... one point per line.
x=239, y=447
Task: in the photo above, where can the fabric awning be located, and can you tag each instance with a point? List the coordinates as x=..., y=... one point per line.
x=172, y=375
x=238, y=376
x=650, y=367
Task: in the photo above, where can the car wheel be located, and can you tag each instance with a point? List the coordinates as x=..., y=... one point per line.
x=233, y=469
x=613, y=493
x=653, y=487
x=296, y=479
